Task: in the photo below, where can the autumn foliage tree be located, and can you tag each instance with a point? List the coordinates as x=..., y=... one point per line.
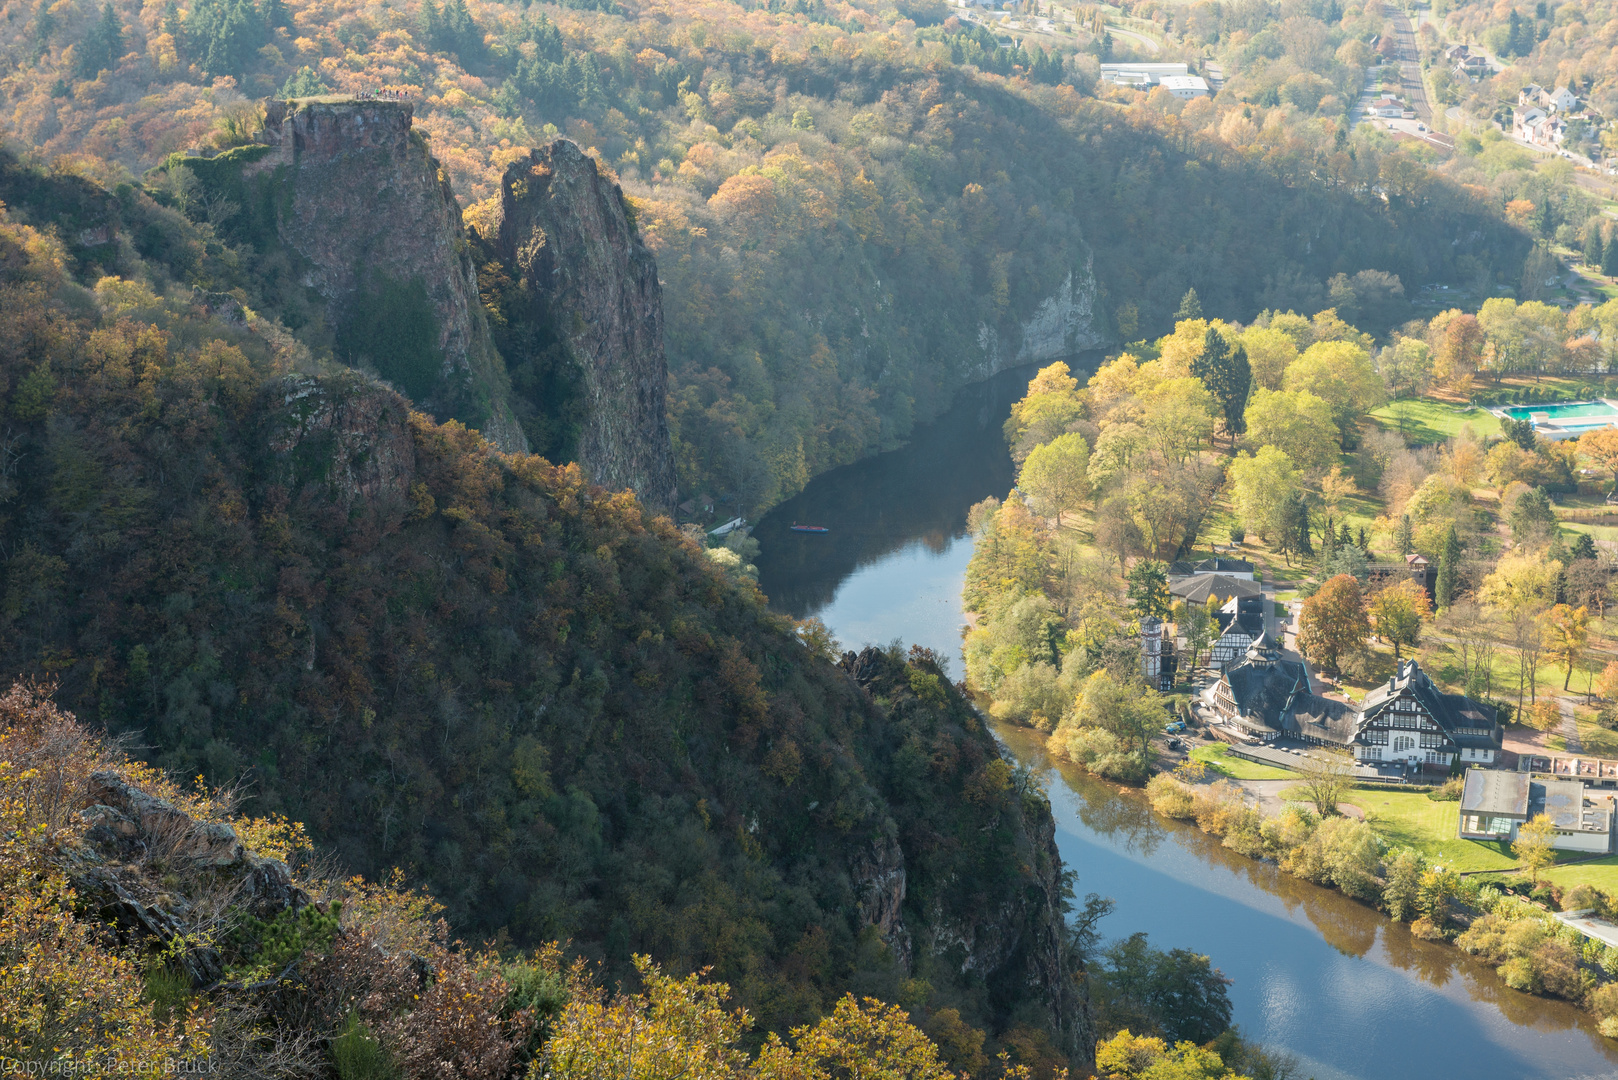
x=1334, y=622
x=1396, y=614
x=1567, y=633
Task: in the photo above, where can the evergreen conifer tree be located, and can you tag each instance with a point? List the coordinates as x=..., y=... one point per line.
x=1609, y=258
x=1225, y=371
x=1404, y=535
x=1448, y=558
x=1190, y=307
x=102, y=46
x=1592, y=245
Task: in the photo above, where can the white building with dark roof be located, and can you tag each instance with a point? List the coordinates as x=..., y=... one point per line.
x=1406, y=720
x=1241, y=622
x=1240, y=569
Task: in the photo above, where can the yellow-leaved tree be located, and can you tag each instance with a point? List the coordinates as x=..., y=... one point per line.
x=680, y=1029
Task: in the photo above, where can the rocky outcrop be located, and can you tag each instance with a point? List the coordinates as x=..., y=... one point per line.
x=1067, y=322
x=1012, y=939
x=155, y=876
x=342, y=434
x=878, y=873
x=356, y=195
x=568, y=239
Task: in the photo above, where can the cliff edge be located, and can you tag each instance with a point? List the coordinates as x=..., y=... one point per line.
x=579, y=268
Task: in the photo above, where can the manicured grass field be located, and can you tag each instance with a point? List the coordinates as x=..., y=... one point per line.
x=1602, y=873
x=1427, y=421
x=1218, y=759
x=1411, y=819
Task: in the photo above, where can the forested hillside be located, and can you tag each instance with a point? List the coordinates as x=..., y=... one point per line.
x=525, y=692
x=850, y=216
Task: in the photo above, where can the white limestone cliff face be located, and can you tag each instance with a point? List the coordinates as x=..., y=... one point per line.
x=1068, y=321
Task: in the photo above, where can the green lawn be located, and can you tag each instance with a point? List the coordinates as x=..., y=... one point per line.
x=1218, y=759
x=1602, y=873
x=1411, y=819
x=1428, y=421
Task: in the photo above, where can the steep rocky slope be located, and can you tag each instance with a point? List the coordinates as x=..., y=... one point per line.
x=360, y=247
x=368, y=220
x=583, y=278
x=531, y=695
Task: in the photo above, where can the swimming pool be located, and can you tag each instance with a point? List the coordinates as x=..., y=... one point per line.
x=1564, y=420
x=1567, y=411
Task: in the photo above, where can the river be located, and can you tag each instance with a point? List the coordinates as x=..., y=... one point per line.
x=1350, y=994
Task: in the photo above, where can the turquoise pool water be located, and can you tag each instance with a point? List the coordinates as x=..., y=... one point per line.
x=1577, y=410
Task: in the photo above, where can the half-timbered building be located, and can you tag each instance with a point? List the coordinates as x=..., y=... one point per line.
x=1408, y=719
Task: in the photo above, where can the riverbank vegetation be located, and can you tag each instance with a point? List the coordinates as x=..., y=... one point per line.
x=1327, y=458
x=1533, y=951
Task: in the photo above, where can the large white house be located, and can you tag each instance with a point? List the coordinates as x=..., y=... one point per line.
x=1408, y=719
x=1144, y=76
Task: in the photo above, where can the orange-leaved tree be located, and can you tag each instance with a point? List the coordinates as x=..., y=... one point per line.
x=1334, y=622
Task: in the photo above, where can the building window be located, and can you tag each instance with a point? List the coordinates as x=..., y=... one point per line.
x=1403, y=743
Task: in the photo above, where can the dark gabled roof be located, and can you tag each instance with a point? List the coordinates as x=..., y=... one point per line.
x=1198, y=587
x=1263, y=692
x=1180, y=569
x=1322, y=718
x=1450, y=711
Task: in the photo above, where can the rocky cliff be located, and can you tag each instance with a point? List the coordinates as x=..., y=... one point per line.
x=370, y=209
x=348, y=196
x=580, y=271
x=1013, y=940
x=1067, y=322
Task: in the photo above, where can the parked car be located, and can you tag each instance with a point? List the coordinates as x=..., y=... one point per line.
x=1177, y=726
x=1176, y=744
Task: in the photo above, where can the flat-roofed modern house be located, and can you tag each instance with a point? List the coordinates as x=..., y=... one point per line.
x=1493, y=804
x=1583, y=822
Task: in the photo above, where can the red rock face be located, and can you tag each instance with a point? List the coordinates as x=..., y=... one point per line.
x=567, y=237
x=359, y=197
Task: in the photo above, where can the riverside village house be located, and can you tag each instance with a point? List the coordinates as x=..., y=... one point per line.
x=1407, y=719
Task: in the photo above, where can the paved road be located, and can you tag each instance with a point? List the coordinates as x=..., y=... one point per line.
x=1570, y=726
x=1118, y=31
x=1411, y=85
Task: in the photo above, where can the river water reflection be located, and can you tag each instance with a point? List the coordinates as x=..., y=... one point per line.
x=1327, y=979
